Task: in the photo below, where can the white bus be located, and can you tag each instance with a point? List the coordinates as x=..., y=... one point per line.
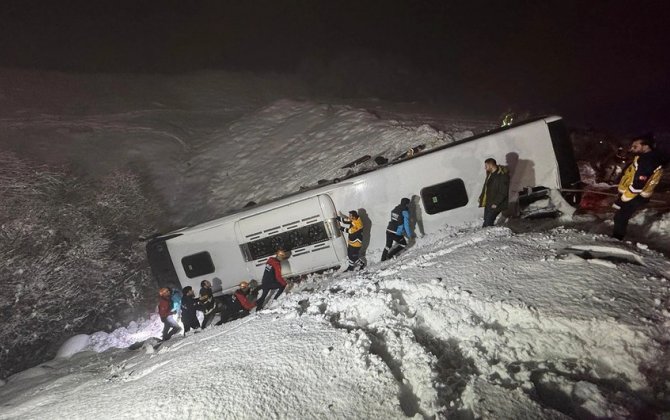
x=443, y=184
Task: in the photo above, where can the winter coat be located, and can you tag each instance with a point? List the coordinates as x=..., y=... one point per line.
x=189, y=305
x=272, y=273
x=495, y=189
x=164, y=307
x=354, y=231
x=242, y=299
x=641, y=176
x=399, y=223
x=207, y=300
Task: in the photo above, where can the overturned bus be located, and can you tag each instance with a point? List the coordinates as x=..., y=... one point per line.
x=443, y=184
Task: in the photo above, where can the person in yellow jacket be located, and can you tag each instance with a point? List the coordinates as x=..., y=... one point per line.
x=637, y=183
x=354, y=240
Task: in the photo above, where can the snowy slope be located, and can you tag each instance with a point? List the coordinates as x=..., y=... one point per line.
x=470, y=321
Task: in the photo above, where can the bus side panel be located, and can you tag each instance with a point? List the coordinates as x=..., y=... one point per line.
x=221, y=245
x=239, y=252
x=526, y=150
x=306, y=228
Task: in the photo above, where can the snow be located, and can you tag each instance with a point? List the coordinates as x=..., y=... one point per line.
x=471, y=320
x=467, y=323
x=73, y=345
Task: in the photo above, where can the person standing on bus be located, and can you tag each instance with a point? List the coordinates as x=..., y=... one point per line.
x=637, y=183
x=397, y=229
x=354, y=240
x=495, y=192
x=272, y=277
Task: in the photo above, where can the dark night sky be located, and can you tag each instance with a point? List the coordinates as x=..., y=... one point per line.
x=604, y=62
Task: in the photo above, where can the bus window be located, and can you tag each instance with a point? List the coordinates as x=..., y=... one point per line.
x=198, y=264
x=445, y=196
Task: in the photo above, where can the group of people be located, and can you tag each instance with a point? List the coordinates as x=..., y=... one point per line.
x=397, y=230
x=635, y=188
x=174, y=304
x=494, y=198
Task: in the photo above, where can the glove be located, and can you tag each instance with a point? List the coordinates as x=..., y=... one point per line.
x=343, y=229
x=339, y=219
x=618, y=203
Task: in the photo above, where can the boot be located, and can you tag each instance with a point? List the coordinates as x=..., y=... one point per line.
x=385, y=254
x=395, y=251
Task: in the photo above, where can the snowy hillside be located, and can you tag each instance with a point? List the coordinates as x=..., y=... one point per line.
x=470, y=323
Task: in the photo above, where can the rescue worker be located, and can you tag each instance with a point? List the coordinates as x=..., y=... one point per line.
x=495, y=191
x=272, y=277
x=396, y=230
x=637, y=183
x=170, y=326
x=354, y=239
x=189, y=306
x=241, y=303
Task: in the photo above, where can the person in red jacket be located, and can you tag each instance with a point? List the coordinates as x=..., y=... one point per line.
x=272, y=278
x=170, y=326
x=240, y=304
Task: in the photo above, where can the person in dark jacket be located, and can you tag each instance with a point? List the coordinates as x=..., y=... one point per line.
x=495, y=192
x=272, y=277
x=354, y=240
x=209, y=305
x=397, y=229
x=170, y=326
x=240, y=304
x=189, y=306
x=637, y=183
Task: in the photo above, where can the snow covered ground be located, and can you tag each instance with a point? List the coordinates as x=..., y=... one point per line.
x=468, y=323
